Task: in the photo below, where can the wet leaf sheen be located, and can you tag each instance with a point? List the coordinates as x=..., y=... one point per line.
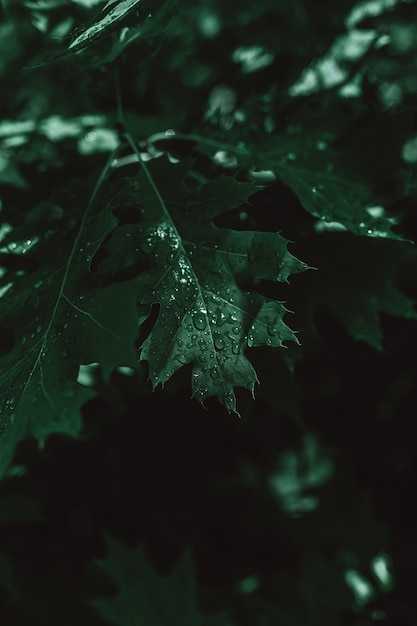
x=197, y=274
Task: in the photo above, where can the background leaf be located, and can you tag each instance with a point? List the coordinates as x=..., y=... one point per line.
x=144, y=597
x=365, y=287
x=71, y=323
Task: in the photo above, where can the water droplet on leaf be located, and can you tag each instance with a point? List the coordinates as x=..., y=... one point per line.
x=219, y=318
x=200, y=320
x=219, y=341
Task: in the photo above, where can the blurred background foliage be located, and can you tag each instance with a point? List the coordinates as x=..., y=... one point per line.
x=300, y=511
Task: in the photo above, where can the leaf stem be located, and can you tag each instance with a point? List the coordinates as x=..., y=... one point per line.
x=147, y=172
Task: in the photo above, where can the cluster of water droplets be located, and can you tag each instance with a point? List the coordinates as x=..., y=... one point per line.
x=203, y=322
x=20, y=246
x=213, y=335
x=162, y=239
x=379, y=224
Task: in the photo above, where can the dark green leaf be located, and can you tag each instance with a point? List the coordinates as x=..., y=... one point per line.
x=58, y=320
x=145, y=598
x=196, y=272
x=357, y=288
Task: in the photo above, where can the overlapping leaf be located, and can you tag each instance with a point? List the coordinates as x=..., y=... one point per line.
x=199, y=274
x=56, y=319
x=313, y=169
x=53, y=320
x=357, y=288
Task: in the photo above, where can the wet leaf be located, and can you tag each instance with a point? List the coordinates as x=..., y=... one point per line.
x=336, y=199
x=196, y=272
x=114, y=12
x=56, y=319
x=317, y=175
x=128, y=20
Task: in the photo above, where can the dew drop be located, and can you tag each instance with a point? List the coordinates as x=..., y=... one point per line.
x=199, y=320
x=230, y=400
x=219, y=317
x=149, y=244
x=219, y=342
x=192, y=342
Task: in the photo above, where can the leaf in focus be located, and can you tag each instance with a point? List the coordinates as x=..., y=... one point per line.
x=145, y=598
x=198, y=275
x=53, y=320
